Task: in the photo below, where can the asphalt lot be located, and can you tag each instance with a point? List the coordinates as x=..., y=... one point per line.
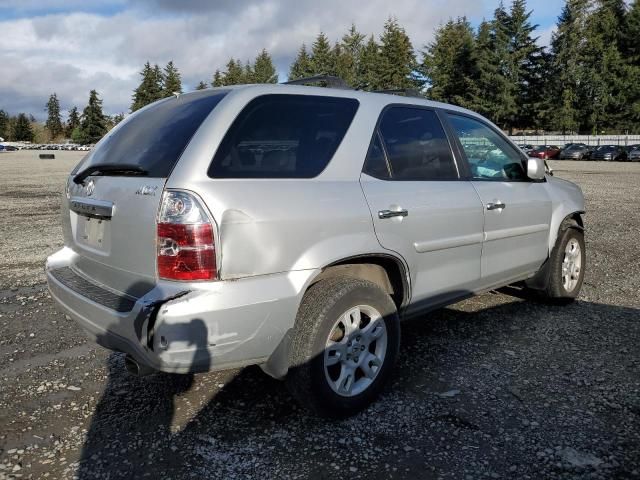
x=497, y=386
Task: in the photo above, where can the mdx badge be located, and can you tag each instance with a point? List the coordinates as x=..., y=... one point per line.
x=147, y=190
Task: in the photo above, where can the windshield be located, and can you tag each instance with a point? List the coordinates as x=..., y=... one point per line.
x=154, y=139
x=606, y=148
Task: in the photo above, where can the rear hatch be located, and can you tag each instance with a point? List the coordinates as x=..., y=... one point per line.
x=113, y=195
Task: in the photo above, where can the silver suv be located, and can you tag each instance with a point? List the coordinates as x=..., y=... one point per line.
x=292, y=227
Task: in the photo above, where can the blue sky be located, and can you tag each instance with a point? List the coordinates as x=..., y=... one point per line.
x=72, y=46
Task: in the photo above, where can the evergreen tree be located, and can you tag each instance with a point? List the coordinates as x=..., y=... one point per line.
x=397, y=62
x=248, y=75
x=605, y=73
x=349, y=57
x=489, y=78
x=369, y=66
x=566, y=99
x=631, y=51
x=22, y=130
x=54, y=121
x=150, y=88
x=172, y=82
x=73, y=121
x=117, y=118
x=448, y=64
x=235, y=73
x=218, y=79
x=93, y=125
x=202, y=85
x=4, y=124
x=322, y=58
x=301, y=66
x=264, y=71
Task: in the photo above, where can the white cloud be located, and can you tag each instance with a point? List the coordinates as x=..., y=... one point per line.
x=71, y=52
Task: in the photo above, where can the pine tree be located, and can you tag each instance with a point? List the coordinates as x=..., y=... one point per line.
x=322, y=58
x=93, y=125
x=264, y=71
x=172, y=82
x=248, y=75
x=348, y=55
x=525, y=63
x=488, y=81
x=218, y=79
x=202, y=85
x=235, y=73
x=369, y=66
x=150, y=88
x=397, y=62
x=73, y=121
x=4, y=125
x=22, y=130
x=631, y=51
x=566, y=99
x=604, y=80
x=54, y=121
x=117, y=118
x=301, y=66
x=448, y=63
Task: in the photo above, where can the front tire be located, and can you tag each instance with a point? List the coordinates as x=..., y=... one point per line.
x=567, y=265
x=346, y=341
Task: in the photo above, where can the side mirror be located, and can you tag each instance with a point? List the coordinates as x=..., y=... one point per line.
x=535, y=168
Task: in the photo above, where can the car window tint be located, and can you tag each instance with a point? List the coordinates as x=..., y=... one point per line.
x=155, y=137
x=490, y=156
x=283, y=136
x=416, y=145
x=376, y=164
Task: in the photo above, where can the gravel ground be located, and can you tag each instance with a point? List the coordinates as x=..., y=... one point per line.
x=498, y=386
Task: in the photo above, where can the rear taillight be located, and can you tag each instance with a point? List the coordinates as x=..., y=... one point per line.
x=186, y=247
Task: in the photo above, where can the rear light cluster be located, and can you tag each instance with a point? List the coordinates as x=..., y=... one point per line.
x=186, y=248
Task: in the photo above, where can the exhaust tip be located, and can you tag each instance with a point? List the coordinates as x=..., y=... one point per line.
x=135, y=368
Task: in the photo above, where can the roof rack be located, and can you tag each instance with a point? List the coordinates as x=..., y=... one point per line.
x=407, y=92
x=330, y=80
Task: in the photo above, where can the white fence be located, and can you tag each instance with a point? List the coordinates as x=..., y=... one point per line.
x=561, y=140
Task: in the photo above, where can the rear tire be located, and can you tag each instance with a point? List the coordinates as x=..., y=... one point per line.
x=346, y=341
x=567, y=265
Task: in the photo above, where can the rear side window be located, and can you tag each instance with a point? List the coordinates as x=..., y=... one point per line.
x=155, y=138
x=416, y=145
x=283, y=136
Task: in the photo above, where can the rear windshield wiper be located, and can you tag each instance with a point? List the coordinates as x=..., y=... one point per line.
x=109, y=169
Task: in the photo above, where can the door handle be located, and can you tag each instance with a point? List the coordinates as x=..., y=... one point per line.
x=392, y=213
x=495, y=206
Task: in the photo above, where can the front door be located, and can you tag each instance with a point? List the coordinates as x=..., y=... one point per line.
x=517, y=210
x=421, y=208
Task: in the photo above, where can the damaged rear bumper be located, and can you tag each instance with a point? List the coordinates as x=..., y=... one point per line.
x=185, y=327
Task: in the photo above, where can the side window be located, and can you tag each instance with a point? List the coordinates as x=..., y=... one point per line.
x=283, y=136
x=416, y=145
x=376, y=164
x=489, y=155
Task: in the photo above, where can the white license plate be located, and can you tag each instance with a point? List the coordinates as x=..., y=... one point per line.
x=91, y=232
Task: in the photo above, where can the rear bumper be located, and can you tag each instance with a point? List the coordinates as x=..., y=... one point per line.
x=188, y=327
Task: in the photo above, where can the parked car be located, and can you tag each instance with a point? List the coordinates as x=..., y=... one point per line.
x=545, y=152
x=526, y=148
x=575, y=151
x=609, y=153
x=292, y=227
x=634, y=154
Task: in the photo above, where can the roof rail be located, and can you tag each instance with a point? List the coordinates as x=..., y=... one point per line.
x=331, y=81
x=407, y=92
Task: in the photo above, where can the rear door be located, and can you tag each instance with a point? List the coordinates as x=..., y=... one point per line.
x=421, y=207
x=109, y=219
x=517, y=210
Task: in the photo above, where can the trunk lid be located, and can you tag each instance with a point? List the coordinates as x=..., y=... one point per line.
x=109, y=217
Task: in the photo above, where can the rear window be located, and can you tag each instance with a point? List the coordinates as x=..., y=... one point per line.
x=283, y=136
x=155, y=138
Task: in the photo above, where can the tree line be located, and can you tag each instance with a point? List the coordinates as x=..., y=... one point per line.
x=586, y=81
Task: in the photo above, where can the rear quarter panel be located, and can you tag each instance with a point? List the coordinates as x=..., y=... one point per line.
x=276, y=225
